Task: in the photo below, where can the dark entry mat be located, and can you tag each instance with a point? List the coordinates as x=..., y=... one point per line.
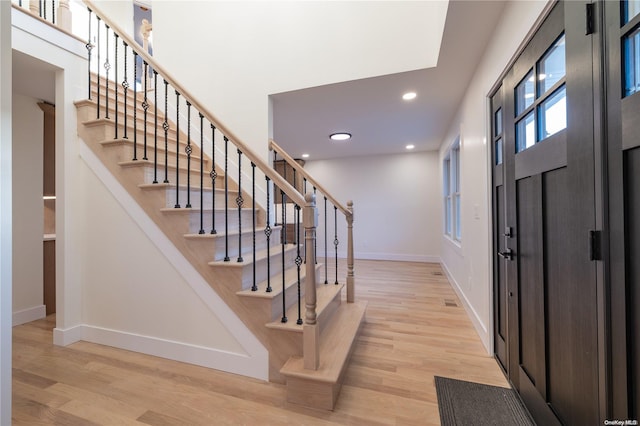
x=467, y=403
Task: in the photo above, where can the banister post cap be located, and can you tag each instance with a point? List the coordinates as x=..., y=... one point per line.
x=310, y=198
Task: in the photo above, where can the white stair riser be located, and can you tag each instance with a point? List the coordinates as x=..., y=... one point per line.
x=207, y=201
x=261, y=268
x=126, y=154
x=207, y=220
x=291, y=298
x=147, y=171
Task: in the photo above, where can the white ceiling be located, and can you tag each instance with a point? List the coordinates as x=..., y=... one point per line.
x=372, y=109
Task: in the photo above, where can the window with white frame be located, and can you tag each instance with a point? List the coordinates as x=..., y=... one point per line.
x=451, y=191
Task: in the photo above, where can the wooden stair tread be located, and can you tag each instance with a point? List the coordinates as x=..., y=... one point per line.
x=197, y=209
x=336, y=342
x=248, y=258
x=120, y=141
x=325, y=294
x=149, y=163
x=219, y=234
x=170, y=185
x=290, y=278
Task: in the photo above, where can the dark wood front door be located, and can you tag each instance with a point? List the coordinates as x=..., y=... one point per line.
x=544, y=221
x=622, y=61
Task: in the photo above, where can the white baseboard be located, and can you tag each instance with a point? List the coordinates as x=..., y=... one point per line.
x=478, y=324
x=66, y=337
x=397, y=257
x=30, y=314
x=231, y=362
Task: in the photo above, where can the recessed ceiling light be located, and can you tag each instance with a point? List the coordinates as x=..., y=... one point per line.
x=409, y=95
x=305, y=155
x=410, y=146
x=340, y=136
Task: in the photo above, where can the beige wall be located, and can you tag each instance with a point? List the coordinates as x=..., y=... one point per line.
x=396, y=203
x=130, y=286
x=28, y=207
x=5, y=213
x=469, y=263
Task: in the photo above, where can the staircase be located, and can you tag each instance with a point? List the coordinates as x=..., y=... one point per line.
x=263, y=280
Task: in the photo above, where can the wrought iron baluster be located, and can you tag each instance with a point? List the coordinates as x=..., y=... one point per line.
x=214, y=175
x=239, y=202
x=335, y=241
x=177, y=206
x=254, y=287
x=298, y=261
x=98, y=67
x=125, y=88
x=284, y=240
x=226, y=199
x=295, y=185
x=188, y=150
x=107, y=67
x=315, y=241
x=201, y=231
x=326, y=280
x=115, y=81
x=135, y=104
x=283, y=200
x=267, y=232
x=165, y=127
x=275, y=201
x=305, y=184
x=53, y=11
x=145, y=107
x=155, y=126
x=89, y=46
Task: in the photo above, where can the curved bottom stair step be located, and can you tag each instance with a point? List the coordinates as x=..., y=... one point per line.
x=320, y=388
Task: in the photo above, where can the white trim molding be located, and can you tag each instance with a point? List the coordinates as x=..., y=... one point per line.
x=30, y=314
x=231, y=362
x=400, y=257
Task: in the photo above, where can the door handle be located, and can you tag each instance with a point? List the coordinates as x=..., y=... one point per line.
x=507, y=254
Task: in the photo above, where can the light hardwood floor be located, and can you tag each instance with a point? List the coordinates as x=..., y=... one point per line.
x=410, y=336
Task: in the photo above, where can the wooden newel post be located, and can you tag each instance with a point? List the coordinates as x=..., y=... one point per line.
x=351, y=280
x=310, y=329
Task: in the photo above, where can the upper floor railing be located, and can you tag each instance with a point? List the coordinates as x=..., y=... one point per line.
x=54, y=12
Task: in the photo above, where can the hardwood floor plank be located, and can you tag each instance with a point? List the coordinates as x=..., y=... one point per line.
x=96, y=399
x=31, y=379
x=410, y=335
x=157, y=419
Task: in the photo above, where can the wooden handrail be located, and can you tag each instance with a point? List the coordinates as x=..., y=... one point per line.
x=275, y=177
x=293, y=163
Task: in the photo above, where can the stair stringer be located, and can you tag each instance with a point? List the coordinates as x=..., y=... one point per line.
x=253, y=363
